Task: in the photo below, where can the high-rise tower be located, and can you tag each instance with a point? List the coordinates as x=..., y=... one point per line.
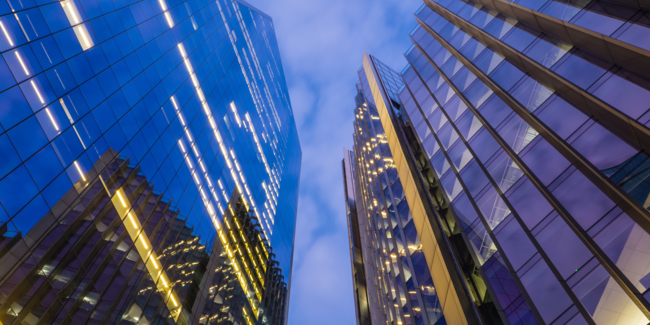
x=521, y=130
x=150, y=164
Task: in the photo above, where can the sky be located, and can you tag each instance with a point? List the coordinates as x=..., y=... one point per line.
x=322, y=45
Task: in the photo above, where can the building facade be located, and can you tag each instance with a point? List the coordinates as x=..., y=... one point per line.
x=521, y=134
x=392, y=281
x=150, y=164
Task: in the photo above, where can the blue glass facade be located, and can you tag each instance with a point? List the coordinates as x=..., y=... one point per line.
x=191, y=92
x=525, y=127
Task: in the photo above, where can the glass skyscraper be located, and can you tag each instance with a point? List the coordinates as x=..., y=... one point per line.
x=150, y=164
x=520, y=137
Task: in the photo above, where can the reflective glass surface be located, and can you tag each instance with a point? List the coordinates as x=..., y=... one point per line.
x=192, y=92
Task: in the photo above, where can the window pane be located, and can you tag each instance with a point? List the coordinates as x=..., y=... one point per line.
x=529, y=203
x=561, y=117
x=544, y=161
x=504, y=170
x=582, y=199
x=546, y=292
x=514, y=242
x=562, y=246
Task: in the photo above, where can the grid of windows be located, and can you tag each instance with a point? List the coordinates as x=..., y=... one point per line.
x=526, y=168
x=192, y=92
x=394, y=263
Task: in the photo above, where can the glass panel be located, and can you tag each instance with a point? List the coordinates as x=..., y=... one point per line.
x=546, y=51
x=504, y=170
x=577, y=69
x=562, y=246
x=626, y=96
x=582, y=199
x=562, y=10
x=435, y=81
x=440, y=163
x=531, y=94
x=495, y=111
x=521, y=36
x=529, y=203
x=483, y=17
x=463, y=78
x=488, y=60
x=464, y=210
x=514, y=242
x=459, y=155
x=437, y=119
x=484, y=145
x=500, y=26
x=468, y=125
x=451, y=185
x=544, y=161
x=493, y=207
x=474, y=178
x=472, y=49
x=447, y=136
x=517, y=133
x=602, y=148
x=430, y=146
x=637, y=35
x=546, y=292
x=628, y=246
x=478, y=93
x=561, y=117
x=597, y=22
x=455, y=108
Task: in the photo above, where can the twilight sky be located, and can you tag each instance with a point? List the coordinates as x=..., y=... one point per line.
x=322, y=44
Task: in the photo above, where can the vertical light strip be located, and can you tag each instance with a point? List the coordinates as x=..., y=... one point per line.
x=234, y=111
x=80, y=30
x=206, y=200
x=79, y=171
x=11, y=42
x=47, y=110
x=239, y=179
x=168, y=17
x=254, y=88
x=21, y=62
x=38, y=93
x=67, y=113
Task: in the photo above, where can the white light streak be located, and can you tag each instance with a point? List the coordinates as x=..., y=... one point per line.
x=11, y=42
x=47, y=110
x=22, y=63
x=79, y=170
x=38, y=93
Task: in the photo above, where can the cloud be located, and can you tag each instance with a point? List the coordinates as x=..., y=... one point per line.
x=322, y=45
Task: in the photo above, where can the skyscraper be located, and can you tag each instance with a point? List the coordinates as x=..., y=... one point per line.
x=521, y=130
x=150, y=164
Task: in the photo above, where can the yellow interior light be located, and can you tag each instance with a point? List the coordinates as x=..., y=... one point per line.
x=119, y=195
x=163, y=281
x=132, y=221
x=144, y=242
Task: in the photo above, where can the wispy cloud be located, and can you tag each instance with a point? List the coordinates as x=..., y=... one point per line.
x=322, y=45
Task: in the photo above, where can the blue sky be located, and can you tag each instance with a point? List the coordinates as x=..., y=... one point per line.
x=322, y=45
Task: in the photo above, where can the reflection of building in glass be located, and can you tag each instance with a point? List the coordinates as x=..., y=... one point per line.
x=192, y=94
x=520, y=136
x=112, y=250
